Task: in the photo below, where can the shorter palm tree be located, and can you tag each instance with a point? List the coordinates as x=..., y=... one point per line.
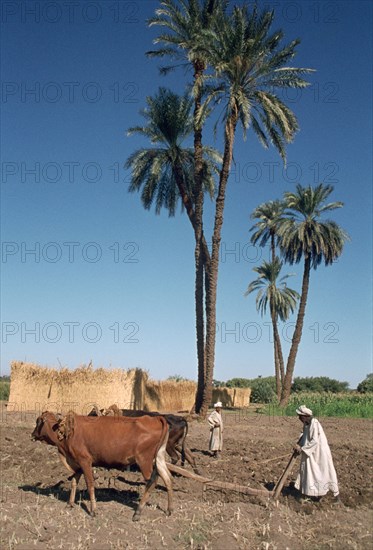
x=303, y=234
x=282, y=301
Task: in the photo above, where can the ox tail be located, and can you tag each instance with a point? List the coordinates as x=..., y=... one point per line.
x=164, y=436
x=186, y=429
x=160, y=466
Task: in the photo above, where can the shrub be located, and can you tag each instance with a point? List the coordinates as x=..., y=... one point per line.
x=366, y=385
x=263, y=390
x=318, y=384
x=4, y=389
x=239, y=383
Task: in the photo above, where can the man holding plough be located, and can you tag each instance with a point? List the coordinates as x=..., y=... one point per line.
x=317, y=474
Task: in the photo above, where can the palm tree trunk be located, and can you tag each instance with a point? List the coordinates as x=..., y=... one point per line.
x=276, y=341
x=202, y=262
x=199, y=255
x=286, y=389
x=273, y=246
x=188, y=205
x=212, y=273
x=280, y=361
x=277, y=371
x=200, y=325
x=279, y=358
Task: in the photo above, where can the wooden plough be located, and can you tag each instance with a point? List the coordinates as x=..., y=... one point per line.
x=235, y=486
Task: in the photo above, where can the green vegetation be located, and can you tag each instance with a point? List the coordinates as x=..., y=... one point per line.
x=4, y=388
x=263, y=390
x=310, y=384
x=325, y=396
x=319, y=384
x=351, y=404
x=237, y=383
x=366, y=385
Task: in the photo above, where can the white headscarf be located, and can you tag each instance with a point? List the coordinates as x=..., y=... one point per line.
x=304, y=411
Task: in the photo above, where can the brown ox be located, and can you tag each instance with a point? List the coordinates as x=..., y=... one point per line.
x=178, y=430
x=84, y=442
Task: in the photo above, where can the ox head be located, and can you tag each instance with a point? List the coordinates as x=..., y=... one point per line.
x=113, y=410
x=46, y=426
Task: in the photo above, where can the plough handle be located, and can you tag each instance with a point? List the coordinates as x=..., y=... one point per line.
x=285, y=475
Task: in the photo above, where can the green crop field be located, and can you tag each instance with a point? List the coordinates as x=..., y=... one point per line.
x=348, y=405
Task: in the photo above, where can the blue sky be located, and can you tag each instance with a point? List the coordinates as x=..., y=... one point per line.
x=87, y=273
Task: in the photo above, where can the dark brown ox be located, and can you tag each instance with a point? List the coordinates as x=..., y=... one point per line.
x=108, y=442
x=178, y=430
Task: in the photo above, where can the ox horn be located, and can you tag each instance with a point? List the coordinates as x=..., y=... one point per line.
x=115, y=410
x=97, y=410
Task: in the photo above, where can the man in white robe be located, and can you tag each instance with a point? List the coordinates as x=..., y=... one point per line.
x=316, y=475
x=215, y=421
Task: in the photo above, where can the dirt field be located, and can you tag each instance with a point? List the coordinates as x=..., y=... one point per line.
x=35, y=491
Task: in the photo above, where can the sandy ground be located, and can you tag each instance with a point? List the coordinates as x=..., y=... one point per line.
x=34, y=493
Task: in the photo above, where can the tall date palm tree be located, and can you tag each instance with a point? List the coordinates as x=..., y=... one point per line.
x=249, y=65
x=184, y=42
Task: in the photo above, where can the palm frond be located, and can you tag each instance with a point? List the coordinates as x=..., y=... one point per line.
x=249, y=61
x=281, y=299
x=303, y=234
x=162, y=172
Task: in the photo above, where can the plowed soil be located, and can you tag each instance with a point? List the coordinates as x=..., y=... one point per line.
x=257, y=447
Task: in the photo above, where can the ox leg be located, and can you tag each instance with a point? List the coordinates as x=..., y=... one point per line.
x=151, y=483
x=74, y=484
x=173, y=454
x=165, y=475
x=71, y=467
x=171, y=447
x=190, y=458
x=182, y=454
x=88, y=476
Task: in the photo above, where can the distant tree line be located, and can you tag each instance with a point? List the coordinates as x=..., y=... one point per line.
x=263, y=389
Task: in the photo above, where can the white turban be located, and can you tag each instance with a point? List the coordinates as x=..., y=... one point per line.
x=304, y=411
